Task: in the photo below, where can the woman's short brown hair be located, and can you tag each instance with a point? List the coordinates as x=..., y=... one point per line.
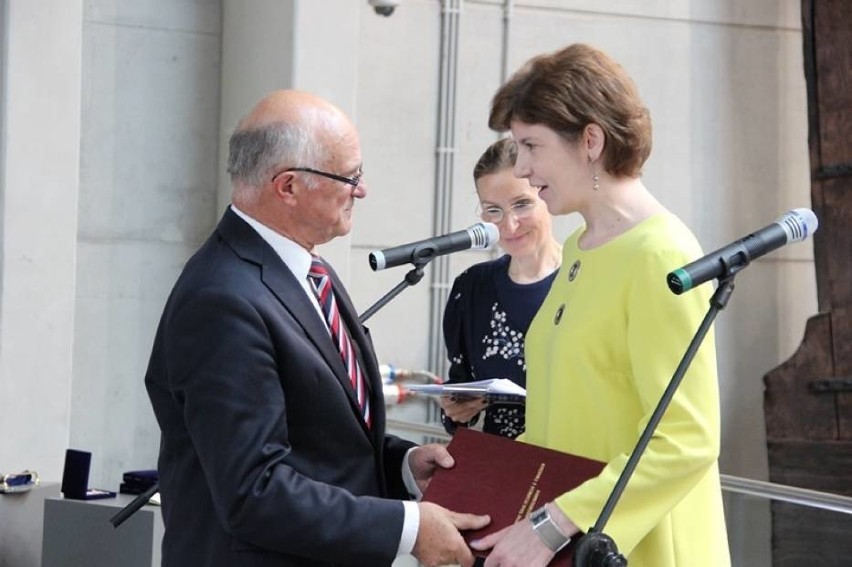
x=571, y=88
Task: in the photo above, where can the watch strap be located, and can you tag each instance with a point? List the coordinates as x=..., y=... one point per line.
x=547, y=530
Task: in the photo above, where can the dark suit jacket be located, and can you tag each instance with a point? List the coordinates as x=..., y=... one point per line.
x=264, y=457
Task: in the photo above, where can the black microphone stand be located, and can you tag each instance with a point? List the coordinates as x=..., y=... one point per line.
x=595, y=548
x=413, y=277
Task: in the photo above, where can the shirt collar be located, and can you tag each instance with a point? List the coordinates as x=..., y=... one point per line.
x=296, y=258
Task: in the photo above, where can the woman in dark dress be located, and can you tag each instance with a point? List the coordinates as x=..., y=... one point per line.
x=492, y=303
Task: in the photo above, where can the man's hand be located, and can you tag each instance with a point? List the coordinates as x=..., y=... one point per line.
x=438, y=539
x=425, y=460
x=462, y=409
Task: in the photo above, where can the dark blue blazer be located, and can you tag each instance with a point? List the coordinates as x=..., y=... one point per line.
x=264, y=457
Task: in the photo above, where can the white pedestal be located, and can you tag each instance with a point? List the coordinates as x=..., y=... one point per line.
x=78, y=533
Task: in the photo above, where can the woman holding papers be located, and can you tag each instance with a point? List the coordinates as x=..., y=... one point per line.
x=609, y=336
x=492, y=303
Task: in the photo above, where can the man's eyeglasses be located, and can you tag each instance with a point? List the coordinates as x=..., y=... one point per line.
x=520, y=209
x=353, y=181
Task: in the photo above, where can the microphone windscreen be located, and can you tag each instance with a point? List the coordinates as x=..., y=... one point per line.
x=482, y=235
x=799, y=224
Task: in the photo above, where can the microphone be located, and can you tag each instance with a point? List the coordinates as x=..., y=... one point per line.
x=481, y=235
x=793, y=226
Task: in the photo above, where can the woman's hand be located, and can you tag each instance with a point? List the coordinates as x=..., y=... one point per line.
x=462, y=409
x=519, y=546
x=514, y=546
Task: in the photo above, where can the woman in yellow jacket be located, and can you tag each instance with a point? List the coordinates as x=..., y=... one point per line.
x=608, y=337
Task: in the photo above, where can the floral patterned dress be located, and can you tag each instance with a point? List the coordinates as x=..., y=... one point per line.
x=485, y=321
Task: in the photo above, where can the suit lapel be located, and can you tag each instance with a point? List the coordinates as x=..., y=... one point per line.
x=284, y=285
x=278, y=278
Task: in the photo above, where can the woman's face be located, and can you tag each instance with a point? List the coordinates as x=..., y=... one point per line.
x=559, y=170
x=513, y=205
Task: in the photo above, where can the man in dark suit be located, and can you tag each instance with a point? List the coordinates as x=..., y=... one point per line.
x=269, y=400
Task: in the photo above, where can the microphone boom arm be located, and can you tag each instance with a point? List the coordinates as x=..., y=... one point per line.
x=134, y=505
x=413, y=277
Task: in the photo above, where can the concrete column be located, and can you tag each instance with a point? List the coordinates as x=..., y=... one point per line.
x=257, y=57
x=39, y=184
x=326, y=63
x=303, y=44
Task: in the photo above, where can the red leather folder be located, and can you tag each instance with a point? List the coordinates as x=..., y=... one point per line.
x=506, y=479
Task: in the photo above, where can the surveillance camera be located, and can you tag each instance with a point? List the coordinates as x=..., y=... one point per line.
x=384, y=7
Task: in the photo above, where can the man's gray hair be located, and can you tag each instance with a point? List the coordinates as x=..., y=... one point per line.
x=257, y=154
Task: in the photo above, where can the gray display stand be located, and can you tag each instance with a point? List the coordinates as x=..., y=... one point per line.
x=21, y=521
x=77, y=533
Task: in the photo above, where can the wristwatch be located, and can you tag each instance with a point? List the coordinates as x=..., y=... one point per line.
x=544, y=526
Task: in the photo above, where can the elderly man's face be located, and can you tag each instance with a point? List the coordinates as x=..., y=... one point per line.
x=326, y=210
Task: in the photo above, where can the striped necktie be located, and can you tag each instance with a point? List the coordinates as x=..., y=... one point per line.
x=319, y=278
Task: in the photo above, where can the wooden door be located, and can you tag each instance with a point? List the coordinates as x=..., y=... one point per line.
x=808, y=399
